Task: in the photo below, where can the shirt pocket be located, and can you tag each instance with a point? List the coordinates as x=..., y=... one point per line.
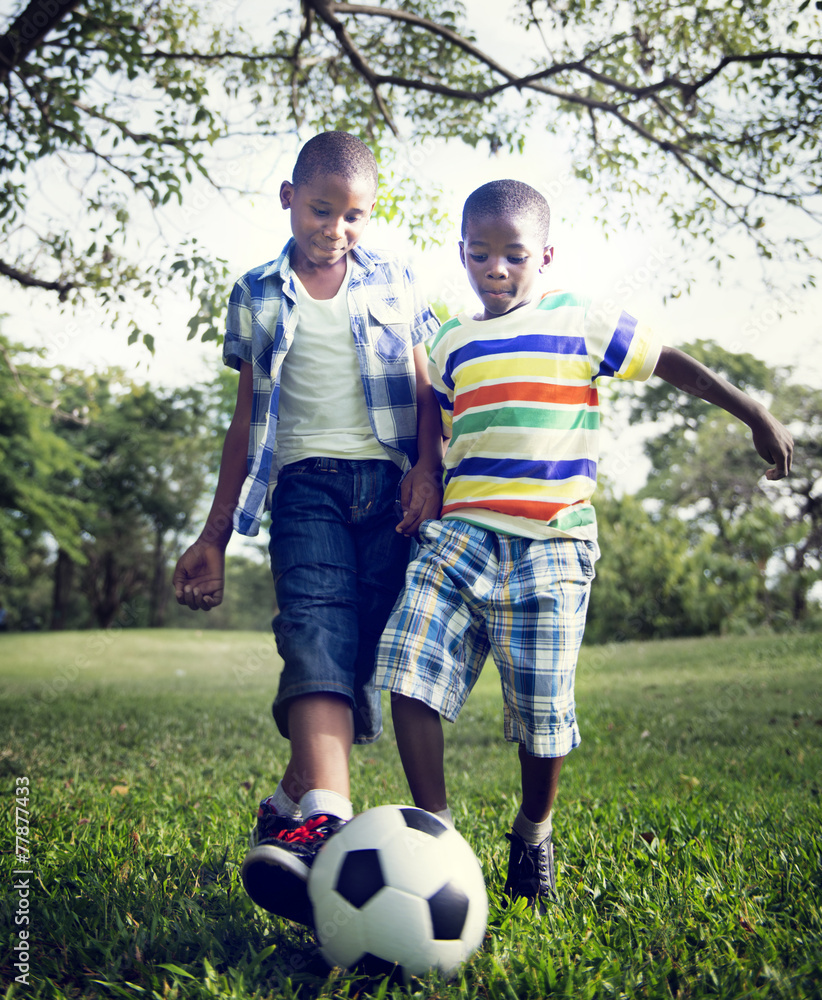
x=390, y=330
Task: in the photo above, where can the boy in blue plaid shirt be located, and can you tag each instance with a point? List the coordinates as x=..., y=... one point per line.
x=335, y=407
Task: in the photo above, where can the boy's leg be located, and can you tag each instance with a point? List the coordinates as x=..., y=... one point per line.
x=418, y=729
x=314, y=564
x=540, y=778
x=536, y=627
x=338, y=564
x=531, y=855
x=382, y=557
x=434, y=647
x=321, y=730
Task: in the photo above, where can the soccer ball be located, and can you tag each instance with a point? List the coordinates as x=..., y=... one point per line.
x=396, y=887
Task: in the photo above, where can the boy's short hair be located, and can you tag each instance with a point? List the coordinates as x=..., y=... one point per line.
x=509, y=198
x=335, y=153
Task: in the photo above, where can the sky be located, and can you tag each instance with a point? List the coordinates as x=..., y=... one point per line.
x=632, y=265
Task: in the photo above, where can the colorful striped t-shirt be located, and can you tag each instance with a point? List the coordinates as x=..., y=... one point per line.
x=518, y=395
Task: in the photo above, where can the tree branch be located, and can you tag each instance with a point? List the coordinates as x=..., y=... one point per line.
x=421, y=22
x=751, y=57
x=357, y=59
x=519, y=82
x=24, y=278
x=199, y=57
x=29, y=30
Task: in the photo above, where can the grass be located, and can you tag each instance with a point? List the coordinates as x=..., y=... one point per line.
x=688, y=827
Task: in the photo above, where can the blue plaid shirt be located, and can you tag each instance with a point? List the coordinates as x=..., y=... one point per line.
x=388, y=319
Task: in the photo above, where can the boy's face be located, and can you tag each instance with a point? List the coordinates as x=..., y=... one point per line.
x=328, y=216
x=503, y=258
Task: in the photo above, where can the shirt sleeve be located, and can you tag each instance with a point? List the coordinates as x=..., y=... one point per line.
x=237, y=346
x=618, y=345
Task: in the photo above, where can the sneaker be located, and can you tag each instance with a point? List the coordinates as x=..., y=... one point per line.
x=270, y=886
x=275, y=889
x=531, y=871
x=296, y=849
x=270, y=824
x=275, y=871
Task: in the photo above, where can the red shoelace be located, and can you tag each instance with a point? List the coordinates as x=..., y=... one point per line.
x=303, y=834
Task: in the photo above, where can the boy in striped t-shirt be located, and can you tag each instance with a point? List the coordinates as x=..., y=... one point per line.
x=507, y=570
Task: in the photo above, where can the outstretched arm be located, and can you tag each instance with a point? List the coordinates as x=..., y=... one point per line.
x=771, y=439
x=199, y=576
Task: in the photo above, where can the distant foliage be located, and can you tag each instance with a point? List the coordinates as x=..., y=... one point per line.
x=708, y=545
x=101, y=476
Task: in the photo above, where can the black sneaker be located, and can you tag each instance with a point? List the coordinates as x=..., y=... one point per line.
x=296, y=849
x=531, y=871
x=270, y=886
x=270, y=824
x=275, y=871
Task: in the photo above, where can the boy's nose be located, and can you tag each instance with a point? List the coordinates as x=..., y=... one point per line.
x=333, y=229
x=497, y=269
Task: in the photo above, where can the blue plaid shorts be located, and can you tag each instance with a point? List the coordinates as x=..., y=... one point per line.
x=470, y=593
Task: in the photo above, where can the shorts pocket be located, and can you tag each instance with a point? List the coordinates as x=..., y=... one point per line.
x=585, y=553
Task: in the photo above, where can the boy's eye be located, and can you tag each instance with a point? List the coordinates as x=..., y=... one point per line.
x=517, y=260
x=320, y=211
x=479, y=257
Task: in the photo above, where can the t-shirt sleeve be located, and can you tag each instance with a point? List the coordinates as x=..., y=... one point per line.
x=441, y=381
x=237, y=346
x=618, y=345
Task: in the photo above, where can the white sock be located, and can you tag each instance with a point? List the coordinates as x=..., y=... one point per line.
x=284, y=804
x=323, y=800
x=532, y=833
x=446, y=817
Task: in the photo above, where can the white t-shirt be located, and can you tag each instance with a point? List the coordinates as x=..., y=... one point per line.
x=322, y=401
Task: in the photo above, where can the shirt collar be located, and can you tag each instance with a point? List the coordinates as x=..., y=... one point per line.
x=365, y=262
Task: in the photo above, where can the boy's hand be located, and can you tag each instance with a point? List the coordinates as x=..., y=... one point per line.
x=421, y=498
x=774, y=443
x=199, y=577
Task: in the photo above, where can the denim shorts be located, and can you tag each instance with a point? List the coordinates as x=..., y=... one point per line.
x=338, y=566
x=470, y=593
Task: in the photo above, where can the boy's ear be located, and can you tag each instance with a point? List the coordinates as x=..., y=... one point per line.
x=462, y=253
x=547, y=257
x=286, y=194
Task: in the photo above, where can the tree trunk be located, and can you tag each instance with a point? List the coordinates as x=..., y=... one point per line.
x=108, y=602
x=158, y=597
x=61, y=593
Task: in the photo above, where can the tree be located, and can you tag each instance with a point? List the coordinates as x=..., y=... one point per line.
x=710, y=109
x=99, y=478
x=654, y=581
x=32, y=456
x=152, y=452
x=705, y=469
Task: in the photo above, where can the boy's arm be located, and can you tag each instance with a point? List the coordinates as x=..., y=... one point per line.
x=771, y=439
x=421, y=491
x=199, y=576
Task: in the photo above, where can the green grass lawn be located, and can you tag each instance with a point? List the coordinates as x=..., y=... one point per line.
x=688, y=828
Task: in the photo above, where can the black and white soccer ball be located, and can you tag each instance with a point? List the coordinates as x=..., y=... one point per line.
x=396, y=887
